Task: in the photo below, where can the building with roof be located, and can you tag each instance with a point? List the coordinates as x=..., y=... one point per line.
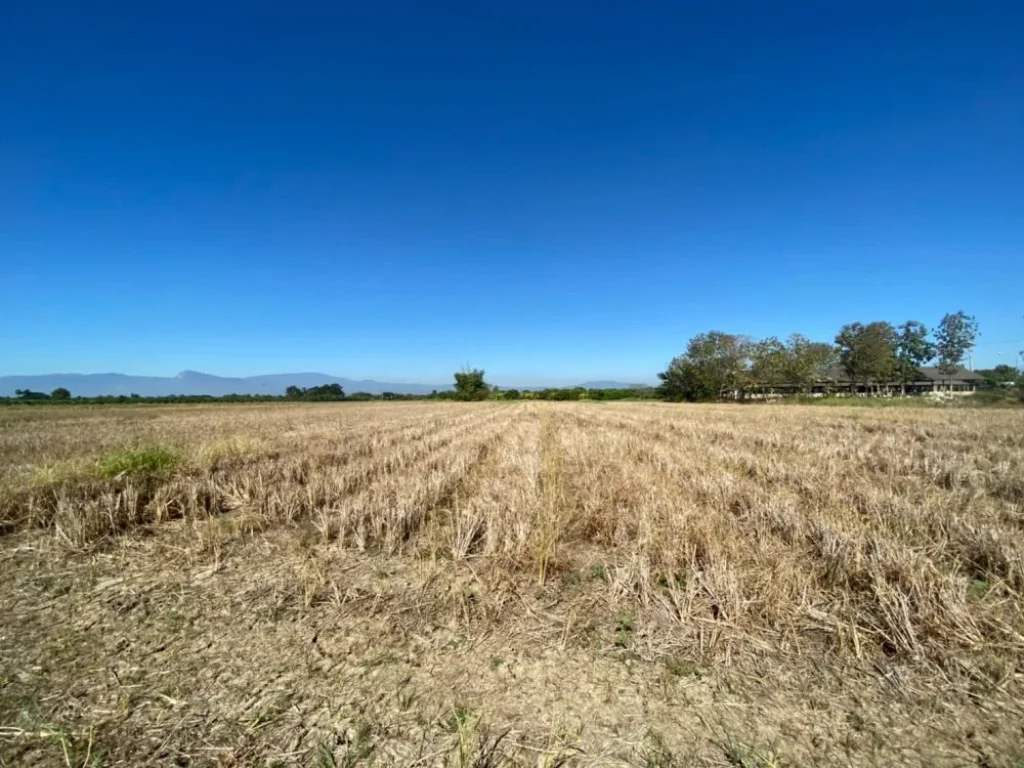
x=926, y=379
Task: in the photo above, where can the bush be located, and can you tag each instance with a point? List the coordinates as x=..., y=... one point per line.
x=156, y=460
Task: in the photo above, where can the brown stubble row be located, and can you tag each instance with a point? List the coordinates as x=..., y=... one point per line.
x=348, y=474
x=908, y=537
x=725, y=527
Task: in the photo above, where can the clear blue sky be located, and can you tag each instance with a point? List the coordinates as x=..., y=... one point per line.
x=551, y=191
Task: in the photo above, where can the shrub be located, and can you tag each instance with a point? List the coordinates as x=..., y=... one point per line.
x=155, y=460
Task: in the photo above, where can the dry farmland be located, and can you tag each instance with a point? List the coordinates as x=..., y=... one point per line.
x=511, y=584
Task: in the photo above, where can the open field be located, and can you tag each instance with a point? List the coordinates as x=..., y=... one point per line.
x=522, y=584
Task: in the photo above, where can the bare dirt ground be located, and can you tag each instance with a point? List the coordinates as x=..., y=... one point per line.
x=511, y=584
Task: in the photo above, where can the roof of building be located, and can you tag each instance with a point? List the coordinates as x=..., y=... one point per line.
x=927, y=373
x=932, y=373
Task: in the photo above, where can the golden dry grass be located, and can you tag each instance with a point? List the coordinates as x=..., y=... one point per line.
x=531, y=583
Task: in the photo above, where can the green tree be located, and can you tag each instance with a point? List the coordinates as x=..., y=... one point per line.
x=60, y=393
x=511, y=394
x=913, y=349
x=954, y=338
x=470, y=385
x=768, y=364
x=28, y=394
x=713, y=366
x=806, y=362
x=1001, y=376
x=868, y=352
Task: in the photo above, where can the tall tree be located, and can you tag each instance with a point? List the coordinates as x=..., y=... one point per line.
x=867, y=352
x=28, y=394
x=806, y=361
x=470, y=385
x=913, y=349
x=954, y=338
x=768, y=364
x=713, y=366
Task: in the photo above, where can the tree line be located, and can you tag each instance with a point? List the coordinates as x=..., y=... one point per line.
x=717, y=365
x=470, y=385
x=318, y=394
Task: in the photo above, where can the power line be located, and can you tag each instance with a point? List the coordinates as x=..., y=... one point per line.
x=990, y=343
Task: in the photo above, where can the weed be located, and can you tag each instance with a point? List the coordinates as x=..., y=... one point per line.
x=657, y=754
x=360, y=747
x=741, y=755
x=978, y=588
x=682, y=668
x=134, y=462
x=325, y=755
x=625, y=624
x=458, y=719
x=668, y=580
x=269, y=710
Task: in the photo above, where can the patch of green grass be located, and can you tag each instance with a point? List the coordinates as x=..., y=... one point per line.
x=682, y=668
x=669, y=580
x=625, y=624
x=325, y=756
x=155, y=460
x=978, y=589
x=861, y=402
x=458, y=719
x=596, y=573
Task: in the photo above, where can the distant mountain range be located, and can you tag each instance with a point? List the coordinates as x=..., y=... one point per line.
x=196, y=383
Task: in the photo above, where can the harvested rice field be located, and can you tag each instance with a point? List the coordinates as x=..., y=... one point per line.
x=521, y=584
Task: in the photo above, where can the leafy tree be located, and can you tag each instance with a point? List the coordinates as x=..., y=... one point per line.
x=714, y=364
x=28, y=394
x=60, y=393
x=323, y=393
x=1000, y=376
x=806, y=361
x=470, y=385
x=331, y=391
x=953, y=339
x=867, y=352
x=768, y=363
x=913, y=349
x=511, y=394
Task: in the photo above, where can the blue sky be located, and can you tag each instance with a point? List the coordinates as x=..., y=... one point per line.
x=554, y=192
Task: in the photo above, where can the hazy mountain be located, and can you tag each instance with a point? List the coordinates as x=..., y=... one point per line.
x=196, y=383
